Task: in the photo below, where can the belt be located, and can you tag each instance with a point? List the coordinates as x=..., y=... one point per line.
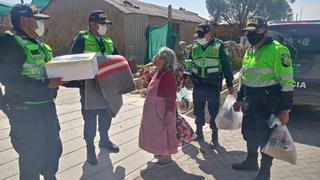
x=260, y=91
x=24, y=106
x=207, y=81
x=15, y=107
x=37, y=102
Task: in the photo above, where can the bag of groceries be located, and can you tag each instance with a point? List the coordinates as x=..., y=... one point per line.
x=183, y=100
x=280, y=144
x=227, y=118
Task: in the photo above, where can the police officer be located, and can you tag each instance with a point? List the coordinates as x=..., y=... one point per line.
x=94, y=41
x=29, y=95
x=266, y=88
x=210, y=65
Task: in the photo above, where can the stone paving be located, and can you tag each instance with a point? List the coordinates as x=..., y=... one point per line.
x=195, y=161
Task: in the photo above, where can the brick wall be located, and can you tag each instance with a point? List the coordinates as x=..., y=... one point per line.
x=70, y=16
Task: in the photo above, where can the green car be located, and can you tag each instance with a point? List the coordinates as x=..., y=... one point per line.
x=303, y=40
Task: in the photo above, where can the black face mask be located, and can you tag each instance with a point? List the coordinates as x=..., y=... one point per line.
x=254, y=38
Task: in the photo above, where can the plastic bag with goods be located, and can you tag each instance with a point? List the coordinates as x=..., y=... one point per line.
x=183, y=100
x=280, y=144
x=227, y=118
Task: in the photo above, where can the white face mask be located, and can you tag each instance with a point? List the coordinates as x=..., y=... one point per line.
x=40, y=29
x=102, y=29
x=202, y=41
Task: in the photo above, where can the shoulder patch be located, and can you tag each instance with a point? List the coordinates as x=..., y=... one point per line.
x=285, y=60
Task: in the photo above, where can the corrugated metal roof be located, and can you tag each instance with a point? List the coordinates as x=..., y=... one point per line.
x=154, y=10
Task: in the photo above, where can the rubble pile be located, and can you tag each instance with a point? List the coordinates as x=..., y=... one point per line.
x=235, y=52
x=143, y=77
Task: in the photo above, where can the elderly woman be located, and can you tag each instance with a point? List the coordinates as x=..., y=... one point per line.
x=158, y=125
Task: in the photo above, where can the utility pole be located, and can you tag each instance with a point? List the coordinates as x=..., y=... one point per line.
x=22, y=2
x=170, y=13
x=301, y=13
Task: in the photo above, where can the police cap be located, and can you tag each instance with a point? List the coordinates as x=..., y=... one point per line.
x=201, y=30
x=255, y=23
x=26, y=10
x=99, y=16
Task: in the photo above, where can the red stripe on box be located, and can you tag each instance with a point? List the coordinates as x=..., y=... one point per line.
x=105, y=73
x=108, y=63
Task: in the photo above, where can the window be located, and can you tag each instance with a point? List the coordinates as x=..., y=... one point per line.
x=304, y=39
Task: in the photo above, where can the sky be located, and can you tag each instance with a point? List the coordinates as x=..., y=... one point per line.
x=309, y=7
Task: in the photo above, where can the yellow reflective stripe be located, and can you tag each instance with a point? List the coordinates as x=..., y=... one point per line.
x=208, y=61
x=25, y=65
x=33, y=71
x=213, y=61
x=287, y=88
x=286, y=77
x=258, y=83
x=37, y=102
x=257, y=70
x=213, y=70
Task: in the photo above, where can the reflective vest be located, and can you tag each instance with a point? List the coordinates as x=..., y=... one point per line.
x=206, y=63
x=37, y=54
x=36, y=57
x=268, y=66
x=91, y=44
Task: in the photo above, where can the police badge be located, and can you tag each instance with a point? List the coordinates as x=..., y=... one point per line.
x=285, y=60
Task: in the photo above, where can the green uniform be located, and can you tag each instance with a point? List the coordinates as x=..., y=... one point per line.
x=29, y=105
x=91, y=45
x=36, y=57
x=266, y=87
x=32, y=72
x=84, y=42
x=267, y=67
x=206, y=62
x=209, y=66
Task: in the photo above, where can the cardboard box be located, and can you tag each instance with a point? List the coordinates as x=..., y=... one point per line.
x=73, y=67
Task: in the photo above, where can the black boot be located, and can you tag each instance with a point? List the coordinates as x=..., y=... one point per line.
x=49, y=177
x=214, y=139
x=199, y=133
x=106, y=143
x=250, y=164
x=91, y=155
x=264, y=171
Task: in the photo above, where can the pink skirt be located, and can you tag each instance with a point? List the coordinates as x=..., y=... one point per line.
x=154, y=136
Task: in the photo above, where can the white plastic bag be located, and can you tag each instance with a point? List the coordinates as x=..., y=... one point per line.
x=227, y=118
x=280, y=144
x=183, y=100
